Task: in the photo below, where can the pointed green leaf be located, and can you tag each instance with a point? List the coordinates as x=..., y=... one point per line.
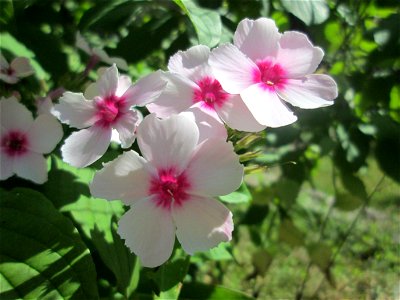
x=309, y=11
x=41, y=253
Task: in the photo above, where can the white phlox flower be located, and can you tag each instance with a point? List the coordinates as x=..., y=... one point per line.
x=113, y=97
x=268, y=68
x=191, y=83
x=171, y=189
x=17, y=69
x=23, y=141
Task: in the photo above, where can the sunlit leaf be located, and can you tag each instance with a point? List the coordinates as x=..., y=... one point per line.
x=309, y=11
x=206, y=22
x=242, y=195
x=290, y=234
x=41, y=253
x=348, y=202
x=210, y=292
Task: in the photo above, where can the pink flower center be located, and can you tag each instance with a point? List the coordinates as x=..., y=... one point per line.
x=14, y=143
x=210, y=93
x=8, y=71
x=169, y=187
x=271, y=74
x=109, y=110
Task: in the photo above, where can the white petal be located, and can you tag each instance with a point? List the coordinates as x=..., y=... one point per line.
x=232, y=68
x=261, y=40
x=192, y=63
x=74, y=110
x=6, y=165
x=22, y=67
x=149, y=232
x=266, y=107
x=125, y=178
x=45, y=133
x=202, y=223
x=31, y=166
x=9, y=79
x=237, y=116
x=108, y=82
x=297, y=55
x=167, y=143
x=312, y=91
x=214, y=169
x=3, y=62
x=14, y=115
x=91, y=91
x=242, y=31
x=210, y=125
x=84, y=147
x=81, y=43
x=176, y=97
x=146, y=90
x=126, y=127
x=124, y=83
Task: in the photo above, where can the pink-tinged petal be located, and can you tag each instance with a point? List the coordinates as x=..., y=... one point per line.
x=6, y=165
x=261, y=40
x=74, y=110
x=167, y=143
x=108, y=82
x=210, y=125
x=22, y=67
x=126, y=127
x=202, y=223
x=242, y=31
x=297, y=55
x=125, y=178
x=266, y=107
x=14, y=115
x=192, y=63
x=233, y=70
x=149, y=232
x=146, y=89
x=214, y=169
x=31, y=166
x=312, y=91
x=124, y=83
x=91, y=91
x=84, y=147
x=237, y=116
x=45, y=133
x=176, y=97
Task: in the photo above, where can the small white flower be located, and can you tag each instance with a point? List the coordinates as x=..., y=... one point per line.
x=171, y=189
x=100, y=54
x=23, y=141
x=111, y=108
x=17, y=69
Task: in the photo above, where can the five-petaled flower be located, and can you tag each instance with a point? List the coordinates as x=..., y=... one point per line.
x=266, y=67
x=18, y=68
x=192, y=86
x=23, y=141
x=171, y=189
x=111, y=108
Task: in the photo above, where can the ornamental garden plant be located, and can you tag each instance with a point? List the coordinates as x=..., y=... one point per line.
x=199, y=149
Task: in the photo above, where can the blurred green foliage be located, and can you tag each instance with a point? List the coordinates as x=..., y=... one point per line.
x=317, y=216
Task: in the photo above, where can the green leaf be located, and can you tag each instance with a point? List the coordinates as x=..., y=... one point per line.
x=41, y=253
x=210, y=292
x=347, y=202
x=290, y=234
x=242, y=195
x=206, y=22
x=394, y=104
x=6, y=11
x=221, y=252
x=354, y=185
x=96, y=218
x=309, y=11
x=320, y=255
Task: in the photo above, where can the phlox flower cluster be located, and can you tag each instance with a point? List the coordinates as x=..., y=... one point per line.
x=185, y=160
